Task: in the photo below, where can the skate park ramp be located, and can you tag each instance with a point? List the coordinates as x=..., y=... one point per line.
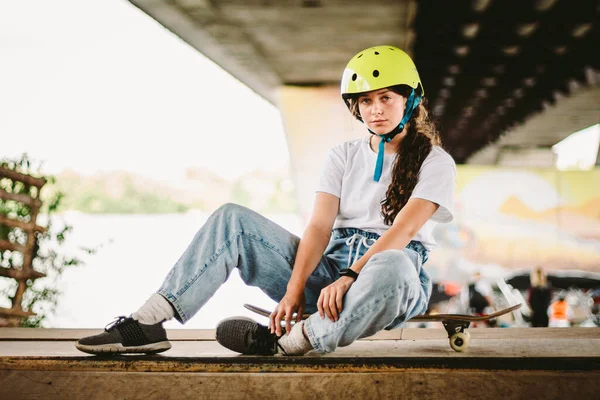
x=515, y=363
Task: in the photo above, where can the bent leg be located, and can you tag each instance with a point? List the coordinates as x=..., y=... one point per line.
x=233, y=236
x=389, y=290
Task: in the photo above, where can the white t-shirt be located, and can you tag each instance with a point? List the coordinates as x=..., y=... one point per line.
x=348, y=175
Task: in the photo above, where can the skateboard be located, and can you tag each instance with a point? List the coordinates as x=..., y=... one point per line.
x=455, y=324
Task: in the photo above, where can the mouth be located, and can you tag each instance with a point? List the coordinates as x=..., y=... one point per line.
x=378, y=121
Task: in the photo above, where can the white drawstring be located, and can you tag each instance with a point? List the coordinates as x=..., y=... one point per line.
x=362, y=242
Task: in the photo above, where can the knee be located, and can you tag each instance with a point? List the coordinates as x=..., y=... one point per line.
x=229, y=209
x=230, y=213
x=228, y=216
x=392, y=266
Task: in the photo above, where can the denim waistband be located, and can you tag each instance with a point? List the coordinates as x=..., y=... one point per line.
x=339, y=233
x=414, y=245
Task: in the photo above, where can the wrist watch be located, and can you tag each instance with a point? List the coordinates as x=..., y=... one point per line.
x=349, y=272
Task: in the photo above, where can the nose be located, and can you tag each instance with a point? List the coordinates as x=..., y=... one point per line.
x=376, y=109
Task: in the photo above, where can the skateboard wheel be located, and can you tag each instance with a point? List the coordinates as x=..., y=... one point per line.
x=459, y=341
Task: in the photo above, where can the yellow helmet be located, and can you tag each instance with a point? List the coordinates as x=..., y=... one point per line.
x=377, y=68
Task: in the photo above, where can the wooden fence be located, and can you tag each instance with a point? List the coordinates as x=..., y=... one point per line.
x=21, y=273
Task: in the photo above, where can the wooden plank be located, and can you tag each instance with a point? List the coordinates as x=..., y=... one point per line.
x=12, y=312
x=396, y=334
x=17, y=300
x=28, y=334
x=6, y=245
x=26, y=226
x=20, y=274
x=21, y=198
x=395, y=350
x=505, y=333
x=173, y=334
x=359, y=357
x=406, y=384
x=27, y=261
x=19, y=177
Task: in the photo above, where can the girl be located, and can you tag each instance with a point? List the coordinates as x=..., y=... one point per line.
x=358, y=267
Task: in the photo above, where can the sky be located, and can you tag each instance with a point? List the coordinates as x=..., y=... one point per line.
x=96, y=85
x=578, y=150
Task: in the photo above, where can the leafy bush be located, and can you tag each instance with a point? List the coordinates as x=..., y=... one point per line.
x=50, y=256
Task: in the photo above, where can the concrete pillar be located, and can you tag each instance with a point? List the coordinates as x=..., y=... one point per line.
x=315, y=119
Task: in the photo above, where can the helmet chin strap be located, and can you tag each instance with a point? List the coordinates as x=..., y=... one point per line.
x=411, y=103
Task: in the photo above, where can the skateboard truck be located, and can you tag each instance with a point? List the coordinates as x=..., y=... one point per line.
x=457, y=334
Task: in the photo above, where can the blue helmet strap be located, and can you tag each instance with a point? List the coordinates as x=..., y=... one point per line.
x=411, y=103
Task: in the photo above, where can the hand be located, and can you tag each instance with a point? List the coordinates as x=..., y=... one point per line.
x=331, y=297
x=294, y=301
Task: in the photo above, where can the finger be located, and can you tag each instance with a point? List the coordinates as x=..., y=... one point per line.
x=333, y=308
x=326, y=306
x=272, y=320
x=278, y=319
x=320, y=306
x=300, y=313
x=339, y=299
x=288, y=320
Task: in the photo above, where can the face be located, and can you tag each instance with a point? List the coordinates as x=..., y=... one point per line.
x=381, y=110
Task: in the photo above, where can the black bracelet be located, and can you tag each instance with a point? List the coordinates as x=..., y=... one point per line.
x=349, y=272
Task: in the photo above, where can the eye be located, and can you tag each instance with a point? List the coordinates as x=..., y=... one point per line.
x=365, y=100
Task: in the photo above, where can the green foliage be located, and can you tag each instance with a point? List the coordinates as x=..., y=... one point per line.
x=239, y=194
x=41, y=295
x=121, y=192
x=281, y=200
x=115, y=193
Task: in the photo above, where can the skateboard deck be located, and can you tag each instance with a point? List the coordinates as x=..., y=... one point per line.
x=455, y=324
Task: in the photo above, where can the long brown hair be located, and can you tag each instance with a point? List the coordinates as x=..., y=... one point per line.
x=421, y=136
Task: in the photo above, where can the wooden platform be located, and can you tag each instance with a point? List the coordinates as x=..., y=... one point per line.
x=509, y=363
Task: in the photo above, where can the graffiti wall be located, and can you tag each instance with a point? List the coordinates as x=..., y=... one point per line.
x=520, y=218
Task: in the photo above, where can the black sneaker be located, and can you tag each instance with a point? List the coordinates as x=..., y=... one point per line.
x=126, y=335
x=246, y=336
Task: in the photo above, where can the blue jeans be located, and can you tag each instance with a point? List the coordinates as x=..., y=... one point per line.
x=391, y=288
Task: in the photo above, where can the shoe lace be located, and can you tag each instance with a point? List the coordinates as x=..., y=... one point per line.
x=262, y=341
x=118, y=321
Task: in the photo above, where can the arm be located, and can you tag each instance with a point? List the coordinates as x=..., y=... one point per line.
x=406, y=225
x=310, y=250
x=315, y=238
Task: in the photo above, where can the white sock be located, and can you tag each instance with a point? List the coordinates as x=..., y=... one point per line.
x=295, y=344
x=156, y=309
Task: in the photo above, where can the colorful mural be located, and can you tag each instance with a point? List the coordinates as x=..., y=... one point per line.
x=521, y=218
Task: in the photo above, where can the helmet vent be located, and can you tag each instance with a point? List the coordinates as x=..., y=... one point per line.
x=376, y=53
x=375, y=73
x=359, y=56
x=354, y=76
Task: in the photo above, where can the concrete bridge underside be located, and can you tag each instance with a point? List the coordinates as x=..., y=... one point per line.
x=503, y=78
